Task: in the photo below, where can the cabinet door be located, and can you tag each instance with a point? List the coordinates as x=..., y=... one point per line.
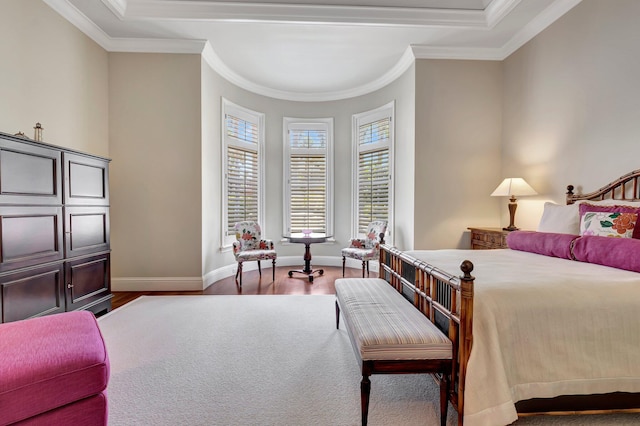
x=86, y=230
x=88, y=283
x=29, y=174
x=29, y=236
x=86, y=180
x=32, y=293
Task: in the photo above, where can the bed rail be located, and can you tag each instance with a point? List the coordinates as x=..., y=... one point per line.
x=447, y=300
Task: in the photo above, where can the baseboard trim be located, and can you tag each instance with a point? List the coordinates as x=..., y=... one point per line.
x=199, y=284
x=157, y=284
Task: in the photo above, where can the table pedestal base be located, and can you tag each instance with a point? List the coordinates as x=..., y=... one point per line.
x=307, y=264
x=308, y=273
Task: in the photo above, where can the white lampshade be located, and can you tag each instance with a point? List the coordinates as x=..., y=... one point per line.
x=513, y=187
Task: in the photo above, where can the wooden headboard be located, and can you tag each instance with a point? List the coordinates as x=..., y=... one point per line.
x=625, y=188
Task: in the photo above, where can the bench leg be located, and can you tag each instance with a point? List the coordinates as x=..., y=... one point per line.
x=365, y=390
x=444, y=399
x=337, y=316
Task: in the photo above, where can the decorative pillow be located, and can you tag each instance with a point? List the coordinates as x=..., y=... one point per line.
x=621, y=253
x=588, y=207
x=608, y=224
x=545, y=243
x=560, y=219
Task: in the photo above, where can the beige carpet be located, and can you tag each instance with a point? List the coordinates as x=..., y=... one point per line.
x=257, y=360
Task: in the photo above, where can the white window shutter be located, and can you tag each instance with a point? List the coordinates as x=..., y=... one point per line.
x=373, y=144
x=242, y=163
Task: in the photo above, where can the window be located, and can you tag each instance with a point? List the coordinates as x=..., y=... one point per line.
x=243, y=136
x=372, y=181
x=308, y=175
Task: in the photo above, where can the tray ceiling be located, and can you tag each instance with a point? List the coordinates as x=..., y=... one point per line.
x=314, y=50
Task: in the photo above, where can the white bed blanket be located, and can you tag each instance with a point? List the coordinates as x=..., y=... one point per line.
x=544, y=327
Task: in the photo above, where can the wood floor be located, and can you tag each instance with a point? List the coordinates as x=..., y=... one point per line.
x=252, y=283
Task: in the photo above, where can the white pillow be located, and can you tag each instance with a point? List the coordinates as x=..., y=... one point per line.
x=560, y=219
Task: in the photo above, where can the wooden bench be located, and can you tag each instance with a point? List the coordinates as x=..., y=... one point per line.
x=390, y=336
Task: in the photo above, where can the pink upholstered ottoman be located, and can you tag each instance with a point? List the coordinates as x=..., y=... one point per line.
x=53, y=370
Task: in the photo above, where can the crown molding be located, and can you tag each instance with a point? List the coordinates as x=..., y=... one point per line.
x=274, y=12
x=455, y=52
x=497, y=10
x=494, y=13
x=538, y=24
x=156, y=45
x=118, y=7
x=529, y=31
x=80, y=21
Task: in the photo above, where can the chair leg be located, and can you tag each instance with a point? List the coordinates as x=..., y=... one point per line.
x=367, y=268
x=344, y=260
x=363, y=266
x=273, y=271
x=337, y=316
x=239, y=272
x=259, y=270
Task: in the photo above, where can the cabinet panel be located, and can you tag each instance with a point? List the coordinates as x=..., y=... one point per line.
x=86, y=180
x=29, y=174
x=29, y=236
x=88, y=282
x=86, y=230
x=31, y=293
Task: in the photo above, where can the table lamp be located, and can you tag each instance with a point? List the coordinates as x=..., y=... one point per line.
x=512, y=187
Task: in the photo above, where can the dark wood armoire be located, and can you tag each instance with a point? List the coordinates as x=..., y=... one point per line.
x=54, y=230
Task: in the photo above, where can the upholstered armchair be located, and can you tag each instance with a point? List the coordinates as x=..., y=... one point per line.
x=368, y=248
x=250, y=246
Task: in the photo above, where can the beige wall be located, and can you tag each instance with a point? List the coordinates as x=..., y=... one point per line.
x=53, y=74
x=572, y=104
x=155, y=143
x=458, y=134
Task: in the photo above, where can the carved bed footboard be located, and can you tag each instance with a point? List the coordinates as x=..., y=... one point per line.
x=445, y=299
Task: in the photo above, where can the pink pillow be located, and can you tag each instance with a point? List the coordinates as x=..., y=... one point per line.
x=586, y=207
x=545, y=243
x=621, y=253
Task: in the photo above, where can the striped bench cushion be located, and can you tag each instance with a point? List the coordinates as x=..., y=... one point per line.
x=383, y=325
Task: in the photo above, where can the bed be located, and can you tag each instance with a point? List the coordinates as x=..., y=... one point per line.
x=549, y=325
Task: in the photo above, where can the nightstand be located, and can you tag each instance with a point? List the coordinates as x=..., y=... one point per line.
x=488, y=238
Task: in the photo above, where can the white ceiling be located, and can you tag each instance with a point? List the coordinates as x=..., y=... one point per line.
x=314, y=50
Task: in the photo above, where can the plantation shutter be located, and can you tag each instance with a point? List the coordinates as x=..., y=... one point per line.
x=242, y=171
x=373, y=172
x=308, y=180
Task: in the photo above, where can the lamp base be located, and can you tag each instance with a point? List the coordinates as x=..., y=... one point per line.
x=510, y=228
